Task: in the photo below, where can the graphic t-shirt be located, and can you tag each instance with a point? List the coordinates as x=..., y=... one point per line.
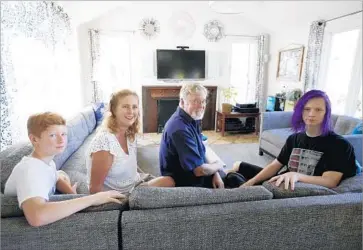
x=316, y=155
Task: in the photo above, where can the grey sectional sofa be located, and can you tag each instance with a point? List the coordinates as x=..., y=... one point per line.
x=260, y=217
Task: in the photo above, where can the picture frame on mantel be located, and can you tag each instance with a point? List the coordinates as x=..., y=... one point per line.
x=289, y=66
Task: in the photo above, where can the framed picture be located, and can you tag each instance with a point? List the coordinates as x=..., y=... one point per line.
x=289, y=65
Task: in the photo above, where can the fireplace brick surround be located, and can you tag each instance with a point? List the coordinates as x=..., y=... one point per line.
x=150, y=95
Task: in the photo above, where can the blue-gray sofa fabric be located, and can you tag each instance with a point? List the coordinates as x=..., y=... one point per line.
x=184, y=218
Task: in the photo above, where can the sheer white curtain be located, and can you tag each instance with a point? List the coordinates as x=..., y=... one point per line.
x=341, y=65
x=39, y=66
x=244, y=69
x=111, y=70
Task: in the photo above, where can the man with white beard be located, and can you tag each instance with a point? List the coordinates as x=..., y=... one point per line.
x=182, y=153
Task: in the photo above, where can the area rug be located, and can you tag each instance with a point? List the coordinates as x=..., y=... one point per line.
x=148, y=156
x=247, y=152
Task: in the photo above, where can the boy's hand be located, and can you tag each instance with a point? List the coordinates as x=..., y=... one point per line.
x=289, y=178
x=108, y=196
x=248, y=183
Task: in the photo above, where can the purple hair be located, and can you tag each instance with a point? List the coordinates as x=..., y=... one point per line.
x=298, y=124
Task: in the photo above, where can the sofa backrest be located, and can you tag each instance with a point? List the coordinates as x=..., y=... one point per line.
x=79, y=127
x=156, y=197
x=344, y=125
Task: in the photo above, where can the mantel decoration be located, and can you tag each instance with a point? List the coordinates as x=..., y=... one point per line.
x=290, y=64
x=182, y=25
x=214, y=31
x=149, y=27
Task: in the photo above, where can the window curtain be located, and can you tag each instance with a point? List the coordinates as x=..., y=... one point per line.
x=314, y=50
x=260, y=72
x=35, y=65
x=95, y=59
x=111, y=67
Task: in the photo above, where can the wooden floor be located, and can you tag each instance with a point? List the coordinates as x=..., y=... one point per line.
x=213, y=138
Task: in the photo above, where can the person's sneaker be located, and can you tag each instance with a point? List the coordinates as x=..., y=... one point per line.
x=234, y=180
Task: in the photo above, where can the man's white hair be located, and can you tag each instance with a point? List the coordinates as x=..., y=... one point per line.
x=192, y=88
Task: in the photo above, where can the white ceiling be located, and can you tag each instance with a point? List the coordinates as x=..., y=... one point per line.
x=272, y=15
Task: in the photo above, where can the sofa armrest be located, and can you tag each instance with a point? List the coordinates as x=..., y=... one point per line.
x=275, y=120
x=356, y=141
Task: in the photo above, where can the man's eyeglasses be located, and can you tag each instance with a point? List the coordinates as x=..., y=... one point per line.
x=200, y=102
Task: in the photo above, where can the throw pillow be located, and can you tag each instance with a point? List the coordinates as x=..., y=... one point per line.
x=301, y=190
x=359, y=168
x=358, y=129
x=99, y=109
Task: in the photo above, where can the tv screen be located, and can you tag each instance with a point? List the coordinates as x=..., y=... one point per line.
x=180, y=64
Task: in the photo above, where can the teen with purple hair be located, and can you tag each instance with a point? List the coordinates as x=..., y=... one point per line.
x=313, y=154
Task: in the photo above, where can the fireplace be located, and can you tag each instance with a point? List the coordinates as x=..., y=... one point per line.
x=152, y=94
x=166, y=107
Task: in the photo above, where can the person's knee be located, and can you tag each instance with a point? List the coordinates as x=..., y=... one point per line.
x=236, y=165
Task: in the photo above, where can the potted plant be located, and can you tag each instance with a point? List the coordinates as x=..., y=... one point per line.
x=229, y=94
x=291, y=98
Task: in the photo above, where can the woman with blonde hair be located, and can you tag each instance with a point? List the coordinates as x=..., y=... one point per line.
x=111, y=157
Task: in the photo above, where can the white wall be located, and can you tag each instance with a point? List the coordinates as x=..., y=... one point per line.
x=290, y=38
x=143, y=50
x=281, y=40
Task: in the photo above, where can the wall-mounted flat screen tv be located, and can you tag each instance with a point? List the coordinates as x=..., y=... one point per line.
x=180, y=64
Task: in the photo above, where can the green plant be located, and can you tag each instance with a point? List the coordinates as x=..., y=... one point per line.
x=293, y=95
x=229, y=94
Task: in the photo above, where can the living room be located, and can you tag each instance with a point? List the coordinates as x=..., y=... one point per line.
x=69, y=56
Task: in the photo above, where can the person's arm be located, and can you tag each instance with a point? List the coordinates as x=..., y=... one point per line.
x=329, y=179
x=208, y=169
x=101, y=164
x=190, y=157
x=266, y=173
x=39, y=212
x=65, y=187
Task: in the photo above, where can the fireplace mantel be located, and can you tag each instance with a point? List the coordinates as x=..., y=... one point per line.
x=150, y=95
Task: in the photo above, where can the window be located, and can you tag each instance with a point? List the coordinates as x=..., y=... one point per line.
x=341, y=73
x=113, y=69
x=45, y=78
x=243, y=70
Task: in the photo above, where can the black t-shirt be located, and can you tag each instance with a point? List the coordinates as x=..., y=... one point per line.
x=315, y=155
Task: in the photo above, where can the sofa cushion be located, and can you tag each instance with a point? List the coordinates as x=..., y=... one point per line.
x=345, y=124
x=350, y=185
x=148, y=159
x=10, y=157
x=79, y=127
x=99, y=109
x=76, y=167
x=156, y=197
x=301, y=189
x=10, y=206
x=277, y=136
